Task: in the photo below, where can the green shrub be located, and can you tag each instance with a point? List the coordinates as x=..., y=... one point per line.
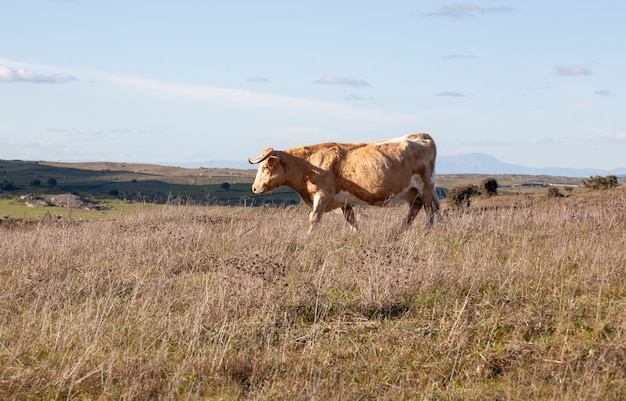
x=460, y=196
x=489, y=186
x=553, y=192
x=598, y=182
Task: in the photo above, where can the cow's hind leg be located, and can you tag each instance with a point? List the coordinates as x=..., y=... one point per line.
x=416, y=206
x=432, y=208
x=348, y=213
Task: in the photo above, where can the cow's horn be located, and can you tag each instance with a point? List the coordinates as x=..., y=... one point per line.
x=262, y=157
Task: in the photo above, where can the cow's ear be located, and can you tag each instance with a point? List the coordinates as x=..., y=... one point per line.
x=272, y=161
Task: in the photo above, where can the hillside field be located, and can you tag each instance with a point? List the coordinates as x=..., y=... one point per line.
x=517, y=297
x=143, y=183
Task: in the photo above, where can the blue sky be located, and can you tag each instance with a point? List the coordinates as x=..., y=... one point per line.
x=536, y=83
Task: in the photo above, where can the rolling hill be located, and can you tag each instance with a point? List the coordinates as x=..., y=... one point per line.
x=480, y=163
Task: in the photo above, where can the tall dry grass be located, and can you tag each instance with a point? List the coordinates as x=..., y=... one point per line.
x=513, y=299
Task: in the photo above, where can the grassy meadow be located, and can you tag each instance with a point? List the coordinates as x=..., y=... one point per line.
x=519, y=297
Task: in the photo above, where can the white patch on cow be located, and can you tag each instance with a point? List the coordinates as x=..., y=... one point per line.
x=405, y=138
x=346, y=198
x=395, y=140
x=343, y=198
x=316, y=201
x=416, y=183
x=400, y=139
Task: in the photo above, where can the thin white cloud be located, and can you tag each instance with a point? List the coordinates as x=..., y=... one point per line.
x=258, y=79
x=341, y=81
x=536, y=87
x=620, y=137
x=459, y=56
x=25, y=74
x=195, y=92
x=603, y=92
x=356, y=97
x=543, y=141
x=488, y=142
x=572, y=70
x=86, y=135
x=238, y=98
x=450, y=94
x=245, y=98
x=467, y=10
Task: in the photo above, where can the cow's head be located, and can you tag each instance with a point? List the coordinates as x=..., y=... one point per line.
x=270, y=174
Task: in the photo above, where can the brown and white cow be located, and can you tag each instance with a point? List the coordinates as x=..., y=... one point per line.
x=339, y=175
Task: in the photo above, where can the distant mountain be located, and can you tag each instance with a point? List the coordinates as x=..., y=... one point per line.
x=479, y=163
x=471, y=163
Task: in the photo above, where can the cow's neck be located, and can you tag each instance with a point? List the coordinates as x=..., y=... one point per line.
x=296, y=171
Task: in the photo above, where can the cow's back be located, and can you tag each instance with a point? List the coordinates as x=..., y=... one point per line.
x=376, y=171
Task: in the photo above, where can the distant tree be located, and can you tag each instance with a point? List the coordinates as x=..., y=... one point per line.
x=489, y=186
x=460, y=196
x=114, y=192
x=598, y=182
x=52, y=182
x=225, y=186
x=7, y=186
x=35, y=183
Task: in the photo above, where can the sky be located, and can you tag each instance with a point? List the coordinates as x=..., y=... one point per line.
x=534, y=83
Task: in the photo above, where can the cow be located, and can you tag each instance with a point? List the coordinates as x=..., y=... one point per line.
x=340, y=175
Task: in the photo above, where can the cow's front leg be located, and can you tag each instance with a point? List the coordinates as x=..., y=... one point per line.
x=320, y=202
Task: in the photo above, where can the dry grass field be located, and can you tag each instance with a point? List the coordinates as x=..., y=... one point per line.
x=519, y=297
